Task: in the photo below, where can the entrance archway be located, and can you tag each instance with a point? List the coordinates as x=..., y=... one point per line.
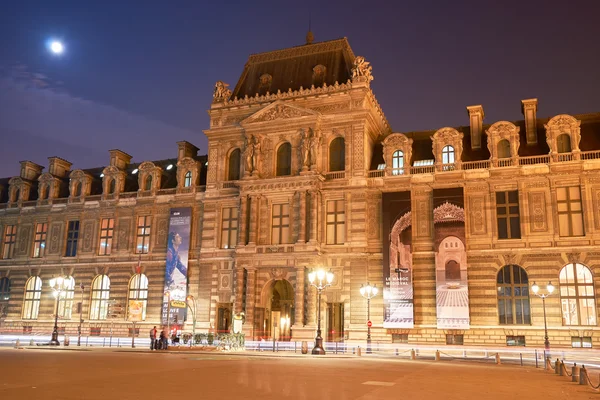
x=277, y=316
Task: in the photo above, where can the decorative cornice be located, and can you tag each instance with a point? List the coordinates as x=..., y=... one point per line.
x=448, y=212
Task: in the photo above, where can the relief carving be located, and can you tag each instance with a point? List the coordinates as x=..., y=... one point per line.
x=54, y=247
x=362, y=71
x=478, y=226
x=537, y=201
x=24, y=239
x=88, y=236
x=161, y=232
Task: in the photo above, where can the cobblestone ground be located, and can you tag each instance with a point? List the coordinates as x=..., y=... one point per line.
x=120, y=374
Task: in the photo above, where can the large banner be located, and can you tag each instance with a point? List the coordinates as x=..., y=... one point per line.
x=178, y=246
x=397, y=262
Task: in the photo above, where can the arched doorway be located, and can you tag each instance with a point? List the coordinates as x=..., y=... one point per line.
x=452, y=271
x=277, y=316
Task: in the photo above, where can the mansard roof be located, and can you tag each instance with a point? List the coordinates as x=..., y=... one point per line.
x=292, y=68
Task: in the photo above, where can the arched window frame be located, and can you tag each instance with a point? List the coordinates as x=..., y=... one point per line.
x=65, y=302
x=100, y=295
x=31, y=300
x=514, y=307
x=138, y=290
x=393, y=143
x=187, y=180
x=447, y=149
x=112, y=186
x=283, y=161
x=77, y=189
x=497, y=132
x=234, y=164
x=503, y=148
x=577, y=296
x=148, y=183
x=563, y=143
x=337, y=154
x=557, y=126
x=398, y=162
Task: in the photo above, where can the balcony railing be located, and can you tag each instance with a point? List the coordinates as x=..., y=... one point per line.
x=505, y=162
x=425, y=169
x=128, y=195
x=229, y=185
x=532, y=160
x=482, y=164
x=564, y=157
x=378, y=173
x=166, y=191
x=335, y=175
x=590, y=155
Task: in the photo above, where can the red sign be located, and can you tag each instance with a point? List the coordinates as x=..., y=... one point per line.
x=369, y=324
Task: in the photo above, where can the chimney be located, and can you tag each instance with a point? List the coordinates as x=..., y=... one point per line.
x=59, y=167
x=476, y=121
x=186, y=149
x=30, y=170
x=119, y=159
x=529, y=110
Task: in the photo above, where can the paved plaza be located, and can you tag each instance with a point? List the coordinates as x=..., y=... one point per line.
x=121, y=374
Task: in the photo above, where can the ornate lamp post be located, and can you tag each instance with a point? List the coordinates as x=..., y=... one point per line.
x=549, y=288
x=59, y=287
x=320, y=280
x=192, y=299
x=368, y=292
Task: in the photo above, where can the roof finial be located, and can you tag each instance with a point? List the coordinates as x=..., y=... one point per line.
x=309, y=35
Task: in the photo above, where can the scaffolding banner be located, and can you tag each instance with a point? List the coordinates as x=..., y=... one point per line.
x=178, y=246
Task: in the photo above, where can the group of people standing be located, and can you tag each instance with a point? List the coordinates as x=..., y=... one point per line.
x=162, y=343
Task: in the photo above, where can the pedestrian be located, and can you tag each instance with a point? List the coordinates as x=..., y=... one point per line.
x=153, y=338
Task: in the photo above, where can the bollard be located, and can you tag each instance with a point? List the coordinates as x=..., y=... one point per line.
x=66, y=341
x=498, y=359
x=561, y=369
x=413, y=354
x=437, y=355
x=556, y=366
x=354, y=350
x=358, y=352
x=17, y=344
x=574, y=372
x=397, y=354
x=582, y=376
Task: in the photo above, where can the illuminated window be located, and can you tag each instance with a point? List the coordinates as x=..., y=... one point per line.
x=143, y=234
x=100, y=296
x=39, y=242
x=570, y=211
x=398, y=162
x=138, y=290
x=65, y=302
x=337, y=155
x=187, y=182
x=10, y=238
x=577, y=295
x=448, y=155
x=31, y=302
x=513, y=296
x=280, y=227
x=336, y=222
x=106, y=236
x=229, y=227
x=72, y=238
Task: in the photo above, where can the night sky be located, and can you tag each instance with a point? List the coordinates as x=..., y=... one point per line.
x=139, y=75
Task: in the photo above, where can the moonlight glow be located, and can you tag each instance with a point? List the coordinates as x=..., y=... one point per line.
x=57, y=47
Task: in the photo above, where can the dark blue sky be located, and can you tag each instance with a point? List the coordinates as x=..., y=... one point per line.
x=138, y=75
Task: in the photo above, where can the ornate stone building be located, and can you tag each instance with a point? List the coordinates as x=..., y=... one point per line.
x=304, y=171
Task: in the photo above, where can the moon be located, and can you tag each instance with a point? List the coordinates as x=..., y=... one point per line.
x=57, y=47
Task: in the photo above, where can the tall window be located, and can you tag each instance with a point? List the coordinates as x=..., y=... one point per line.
x=570, y=212
x=10, y=238
x=112, y=186
x=44, y=192
x=336, y=222
x=77, y=189
x=448, y=155
x=284, y=160
x=187, y=182
x=138, y=292
x=507, y=214
x=577, y=295
x=513, y=296
x=280, y=228
x=143, y=234
x=106, y=235
x=233, y=173
x=337, y=155
x=4, y=289
x=229, y=227
x=39, y=242
x=65, y=302
x=148, y=184
x=398, y=162
x=31, y=302
x=100, y=296
x=504, y=149
x=72, y=238
x=563, y=143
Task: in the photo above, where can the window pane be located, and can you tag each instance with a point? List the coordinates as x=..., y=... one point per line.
x=502, y=229
x=500, y=197
x=515, y=228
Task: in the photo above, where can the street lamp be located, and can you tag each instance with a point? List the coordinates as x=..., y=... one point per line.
x=59, y=287
x=549, y=288
x=320, y=280
x=80, y=316
x=193, y=310
x=368, y=292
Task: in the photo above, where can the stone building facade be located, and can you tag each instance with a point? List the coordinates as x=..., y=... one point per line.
x=304, y=171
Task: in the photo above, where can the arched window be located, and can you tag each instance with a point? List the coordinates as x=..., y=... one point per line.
x=233, y=173
x=138, y=296
x=448, y=155
x=284, y=160
x=44, y=192
x=187, y=182
x=398, y=162
x=100, y=296
x=563, y=143
x=16, y=194
x=337, y=155
x=111, y=186
x=65, y=302
x=504, y=149
x=77, y=189
x=577, y=295
x=4, y=289
x=513, y=296
x=31, y=302
x=148, y=184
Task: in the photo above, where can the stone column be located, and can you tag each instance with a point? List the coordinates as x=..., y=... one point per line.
x=239, y=289
x=299, y=297
x=314, y=203
x=243, y=219
x=302, y=216
x=254, y=200
x=250, y=303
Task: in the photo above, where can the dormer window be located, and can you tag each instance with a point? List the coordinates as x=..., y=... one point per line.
x=77, y=189
x=563, y=143
x=111, y=186
x=503, y=149
x=318, y=77
x=15, y=196
x=44, y=192
x=448, y=155
x=398, y=162
x=187, y=182
x=148, y=185
x=264, y=84
x=233, y=173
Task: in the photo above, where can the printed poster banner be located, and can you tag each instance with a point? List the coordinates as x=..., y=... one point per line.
x=135, y=310
x=178, y=247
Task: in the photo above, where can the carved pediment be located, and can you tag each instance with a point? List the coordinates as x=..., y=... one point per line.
x=279, y=110
x=46, y=177
x=562, y=121
x=448, y=212
x=147, y=166
x=78, y=174
x=111, y=170
x=16, y=181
